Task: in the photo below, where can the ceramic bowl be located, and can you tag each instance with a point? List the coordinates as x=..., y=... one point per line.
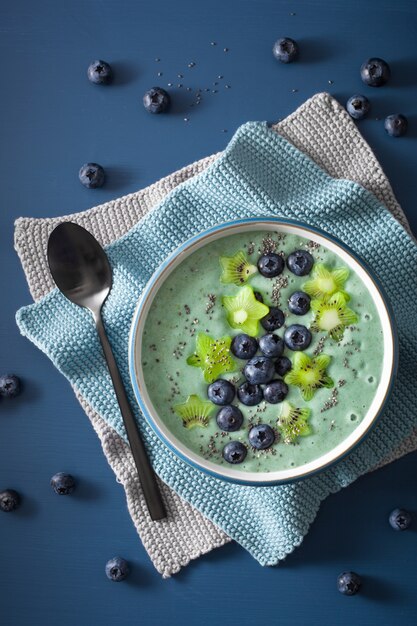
x=382, y=392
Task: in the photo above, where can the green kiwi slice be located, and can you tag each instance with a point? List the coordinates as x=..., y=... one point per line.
x=332, y=316
x=309, y=374
x=194, y=411
x=293, y=423
x=236, y=269
x=244, y=311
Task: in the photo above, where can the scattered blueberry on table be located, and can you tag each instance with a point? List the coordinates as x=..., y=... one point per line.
x=358, y=106
x=400, y=519
x=375, y=72
x=9, y=500
x=285, y=50
x=117, y=569
x=92, y=175
x=156, y=100
x=9, y=385
x=100, y=73
x=396, y=125
x=349, y=583
x=63, y=484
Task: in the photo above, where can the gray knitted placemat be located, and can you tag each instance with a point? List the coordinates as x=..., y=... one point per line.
x=320, y=128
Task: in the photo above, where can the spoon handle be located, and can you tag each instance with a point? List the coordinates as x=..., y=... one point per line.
x=147, y=476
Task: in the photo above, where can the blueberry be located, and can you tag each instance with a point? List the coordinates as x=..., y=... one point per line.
x=9, y=500
x=400, y=519
x=259, y=370
x=358, y=106
x=375, y=72
x=300, y=262
x=349, y=583
x=63, y=484
x=258, y=296
x=117, y=569
x=299, y=303
x=229, y=418
x=9, y=385
x=396, y=125
x=273, y=320
x=271, y=345
x=270, y=265
x=275, y=391
x=234, y=452
x=282, y=365
x=221, y=392
x=91, y=175
x=285, y=50
x=156, y=100
x=100, y=73
x=244, y=347
x=250, y=395
x=261, y=437
x=297, y=337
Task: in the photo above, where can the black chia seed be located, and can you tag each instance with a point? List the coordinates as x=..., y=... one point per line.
x=331, y=402
x=320, y=346
x=280, y=283
x=211, y=302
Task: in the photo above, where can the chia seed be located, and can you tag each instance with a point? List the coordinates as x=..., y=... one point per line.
x=320, y=346
x=269, y=244
x=331, y=402
x=280, y=283
x=211, y=302
x=187, y=309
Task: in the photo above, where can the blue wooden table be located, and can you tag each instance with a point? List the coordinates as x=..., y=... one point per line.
x=53, y=550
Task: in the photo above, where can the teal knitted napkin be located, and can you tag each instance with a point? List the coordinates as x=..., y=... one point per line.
x=259, y=174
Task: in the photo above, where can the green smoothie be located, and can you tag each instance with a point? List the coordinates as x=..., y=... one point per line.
x=331, y=384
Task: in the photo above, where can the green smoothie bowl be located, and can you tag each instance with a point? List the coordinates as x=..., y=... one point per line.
x=262, y=351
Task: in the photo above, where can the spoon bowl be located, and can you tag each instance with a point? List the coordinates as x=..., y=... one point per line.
x=79, y=266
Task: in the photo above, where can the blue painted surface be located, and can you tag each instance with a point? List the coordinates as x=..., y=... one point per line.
x=53, y=550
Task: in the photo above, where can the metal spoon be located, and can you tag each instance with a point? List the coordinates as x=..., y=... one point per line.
x=81, y=271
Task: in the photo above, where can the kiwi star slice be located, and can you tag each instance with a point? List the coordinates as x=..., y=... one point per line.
x=293, y=423
x=244, y=311
x=236, y=269
x=212, y=356
x=332, y=315
x=326, y=282
x=309, y=374
x=194, y=412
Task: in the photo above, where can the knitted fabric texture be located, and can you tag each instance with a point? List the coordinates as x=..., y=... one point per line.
x=259, y=174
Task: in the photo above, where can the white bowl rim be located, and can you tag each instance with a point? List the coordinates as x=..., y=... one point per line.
x=382, y=393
